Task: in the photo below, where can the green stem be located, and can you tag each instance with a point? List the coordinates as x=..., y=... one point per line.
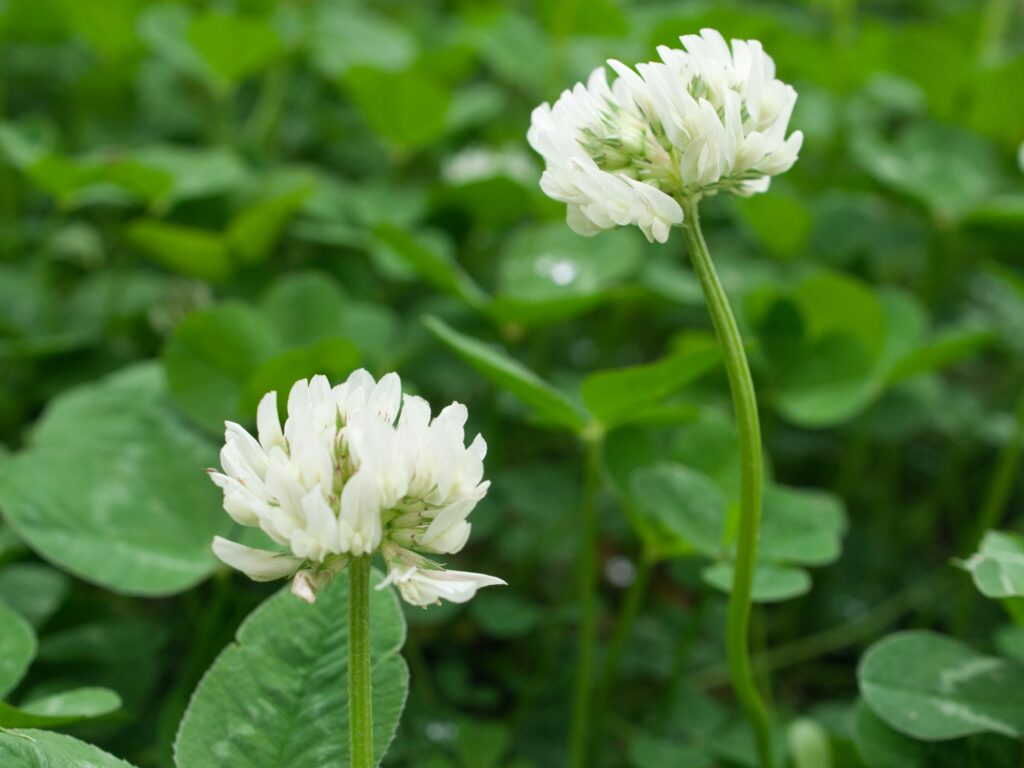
x=751, y=478
x=995, y=21
x=1002, y=480
x=583, y=693
x=631, y=605
x=360, y=694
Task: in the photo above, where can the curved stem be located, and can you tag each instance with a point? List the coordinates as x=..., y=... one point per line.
x=360, y=692
x=587, y=564
x=751, y=479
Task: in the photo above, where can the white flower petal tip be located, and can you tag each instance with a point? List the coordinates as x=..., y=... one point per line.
x=705, y=119
x=422, y=582
x=353, y=469
x=257, y=564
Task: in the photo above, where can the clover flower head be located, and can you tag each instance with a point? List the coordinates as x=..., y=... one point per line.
x=709, y=118
x=355, y=469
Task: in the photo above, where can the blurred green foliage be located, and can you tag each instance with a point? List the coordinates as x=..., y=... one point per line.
x=203, y=201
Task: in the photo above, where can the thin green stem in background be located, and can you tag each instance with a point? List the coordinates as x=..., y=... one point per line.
x=360, y=692
x=587, y=565
x=992, y=32
x=751, y=479
x=1002, y=481
x=628, y=613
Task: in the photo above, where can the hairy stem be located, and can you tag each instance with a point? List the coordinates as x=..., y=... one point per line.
x=360, y=693
x=751, y=479
x=587, y=565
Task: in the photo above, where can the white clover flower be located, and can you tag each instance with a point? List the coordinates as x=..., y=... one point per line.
x=705, y=119
x=348, y=475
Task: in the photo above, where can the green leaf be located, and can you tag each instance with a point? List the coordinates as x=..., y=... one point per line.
x=548, y=403
x=346, y=36
x=945, y=168
x=123, y=654
x=277, y=697
x=932, y=687
x=333, y=357
x=615, y=396
x=550, y=273
x=304, y=307
x=434, y=265
x=998, y=566
x=133, y=511
x=882, y=747
x=34, y=590
x=234, y=47
x=17, y=648
x=309, y=306
x=254, y=232
x=772, y=583
x=210, y=359
x=185, y=250
x=780, y=222
x=801, y=527
x=684, y=508
x=409, y=109
x=195, y=172
x=60, y=709
x=42, y=749
x=940, y=352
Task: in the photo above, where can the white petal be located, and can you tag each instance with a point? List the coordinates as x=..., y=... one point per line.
x=386, y=397
x=360, y=513
x=257, y=564
x=268, y=423
x=428, y=586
